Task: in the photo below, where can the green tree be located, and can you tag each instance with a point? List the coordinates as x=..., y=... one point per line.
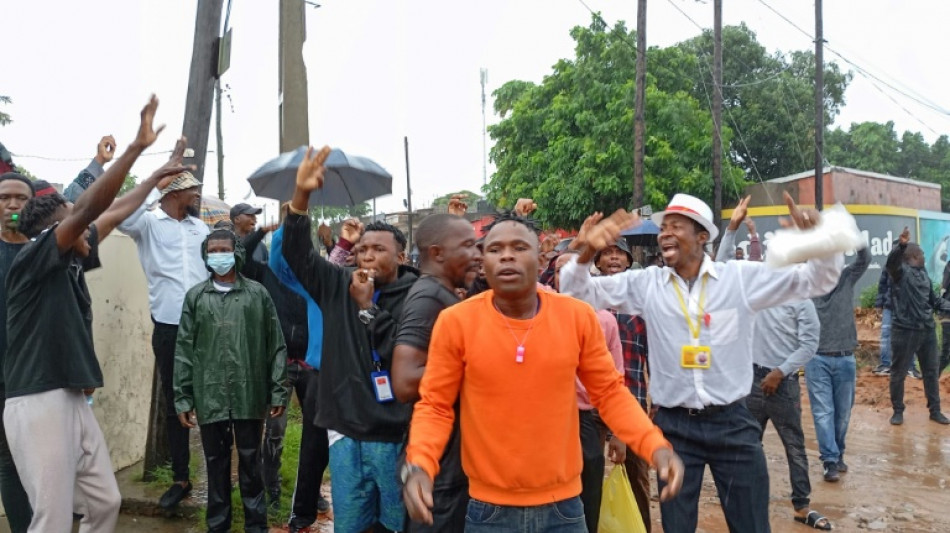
x=25, y=172
x=568, y=142
x=870, y=146
x=5, y=117
x=768, y=99
x=130, y=182
x=470, y=199
x=337, y=214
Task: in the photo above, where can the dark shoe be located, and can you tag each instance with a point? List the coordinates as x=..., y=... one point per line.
x=842, y=467
x=939, y=418
x=273, y=502
x=175, y=494
x=882, y=370
x=323, y=506
x=815, y=520
x=897, y=419
x=831, y=472
x=914, y=373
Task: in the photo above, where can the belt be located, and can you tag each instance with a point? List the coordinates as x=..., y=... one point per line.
x=705, y=411
x=842, y=353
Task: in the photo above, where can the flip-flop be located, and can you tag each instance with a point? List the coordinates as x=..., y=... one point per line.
x=813, y=518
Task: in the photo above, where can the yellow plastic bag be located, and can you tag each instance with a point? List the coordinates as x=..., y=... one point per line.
x=618, y=508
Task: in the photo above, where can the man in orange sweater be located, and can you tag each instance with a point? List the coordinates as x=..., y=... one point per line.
x=511, y=355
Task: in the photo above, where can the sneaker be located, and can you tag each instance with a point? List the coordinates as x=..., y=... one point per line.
x=842, y=467
x=882, y=370
x=175, y=494
x=914, y=373
x=939, y=418
x=831, y=472
x=897, y=419
x=323, y=506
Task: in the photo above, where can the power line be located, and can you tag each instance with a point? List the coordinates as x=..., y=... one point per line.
x=70, y=159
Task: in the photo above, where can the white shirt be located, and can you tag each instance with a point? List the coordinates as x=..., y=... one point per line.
x=735, y=292
x=170, y=252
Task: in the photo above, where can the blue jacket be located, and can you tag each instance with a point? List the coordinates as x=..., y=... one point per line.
x=281, y=269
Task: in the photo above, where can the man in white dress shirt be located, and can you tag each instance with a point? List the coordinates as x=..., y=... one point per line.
x=169, y=240
x=697, y=314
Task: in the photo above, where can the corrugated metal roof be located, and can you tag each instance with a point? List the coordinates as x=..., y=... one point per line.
x=865, y=173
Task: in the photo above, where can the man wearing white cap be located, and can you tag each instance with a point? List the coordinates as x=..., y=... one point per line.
x=169, y=240
x=700, y=361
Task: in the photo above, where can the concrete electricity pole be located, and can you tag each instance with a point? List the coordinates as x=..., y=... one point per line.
x=639, y=99
x=717, y=113
x=294, y=124
x=819, y=108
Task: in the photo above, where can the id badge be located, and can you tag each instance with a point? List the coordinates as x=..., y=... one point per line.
x=381, y=386
x=696, y=357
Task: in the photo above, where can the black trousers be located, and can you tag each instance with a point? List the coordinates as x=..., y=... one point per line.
x=904, y=344
x=217, y=439
x=164, y=337
x=593, y=438
x=314, y=453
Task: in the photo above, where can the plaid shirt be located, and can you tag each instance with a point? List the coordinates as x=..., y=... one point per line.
x=633, y=340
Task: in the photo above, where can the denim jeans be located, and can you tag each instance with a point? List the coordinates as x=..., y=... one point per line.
x=905, y=343
x=728, y=441
x=831, y=382
x=886, y=338
x=784, y=409
x=565, y=516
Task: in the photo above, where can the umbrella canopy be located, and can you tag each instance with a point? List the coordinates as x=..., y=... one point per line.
x=349, y=179
x=214, y=210
x=644, y=234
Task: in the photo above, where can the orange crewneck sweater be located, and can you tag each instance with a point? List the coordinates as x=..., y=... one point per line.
x=519, y=422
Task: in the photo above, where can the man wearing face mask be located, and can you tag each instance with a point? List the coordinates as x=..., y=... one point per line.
x=169, y=241
x=230, y=373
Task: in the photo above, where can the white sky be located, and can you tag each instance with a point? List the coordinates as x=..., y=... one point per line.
x=383, y=69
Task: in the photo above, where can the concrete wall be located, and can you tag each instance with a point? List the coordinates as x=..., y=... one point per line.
x=848, y=188
x=122, y=329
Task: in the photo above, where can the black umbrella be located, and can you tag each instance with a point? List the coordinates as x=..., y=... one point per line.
x=349, y=179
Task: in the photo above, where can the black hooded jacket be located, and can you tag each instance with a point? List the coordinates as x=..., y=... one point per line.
x=346, y=400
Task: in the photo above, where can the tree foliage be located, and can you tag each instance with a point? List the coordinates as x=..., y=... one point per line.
x=5, y=117
x=337, y=214
x=471, y=198
x=568, y=142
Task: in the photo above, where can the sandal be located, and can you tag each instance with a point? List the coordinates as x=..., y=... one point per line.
x=813, y=518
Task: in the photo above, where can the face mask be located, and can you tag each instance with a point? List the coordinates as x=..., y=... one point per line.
x=221, y=263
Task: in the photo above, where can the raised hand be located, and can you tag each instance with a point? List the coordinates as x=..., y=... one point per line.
x=800, y=218
x=351, y=230
x=580, y=240
x=311, y=169
x=904, y=236
x=105, y=150
x=362, y=285
x=457, y=205
x=549, y=243
x=750, y=224
x=325, y=234
x=167, y=173
x=525, y=206
x=146, y=134
x=739, y=213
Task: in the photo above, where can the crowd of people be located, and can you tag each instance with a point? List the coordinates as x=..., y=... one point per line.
x=475, y=391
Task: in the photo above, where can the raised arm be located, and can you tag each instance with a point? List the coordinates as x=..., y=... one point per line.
x=100, y=194
x=727, y=246
x=895, y=260
x=105, y=151
x=124, y=206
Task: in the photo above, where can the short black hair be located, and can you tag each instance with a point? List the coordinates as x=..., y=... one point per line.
x=39, y=212
x=19, y=177
x=397, y=235
x=222, y=234
x=510, y=216
x=432, y=231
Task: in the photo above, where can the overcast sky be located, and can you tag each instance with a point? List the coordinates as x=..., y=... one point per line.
x=383, y=69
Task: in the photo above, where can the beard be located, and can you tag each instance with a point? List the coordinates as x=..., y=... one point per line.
x=192, y=211
x=478, y=286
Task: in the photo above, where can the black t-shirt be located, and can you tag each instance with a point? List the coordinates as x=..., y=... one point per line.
x=8, y=252
x=47, y=291
x=426, y=299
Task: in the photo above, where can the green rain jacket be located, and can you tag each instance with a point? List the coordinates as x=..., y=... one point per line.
x=230, y=358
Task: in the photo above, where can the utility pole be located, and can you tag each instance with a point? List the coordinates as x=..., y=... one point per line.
x=224, y=61
x=294, y=125
x=717, y=113
x=484, y=77
x=819, y=108
x=639, y=99
x=196, y=126
x=408, y=195
x=201, y=79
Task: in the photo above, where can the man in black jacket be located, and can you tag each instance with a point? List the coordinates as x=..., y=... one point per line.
x=913, y=329
x=355, y=401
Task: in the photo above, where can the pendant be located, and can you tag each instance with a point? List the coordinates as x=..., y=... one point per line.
x=519, y=355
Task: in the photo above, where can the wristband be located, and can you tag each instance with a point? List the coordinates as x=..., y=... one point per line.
x=296, y=211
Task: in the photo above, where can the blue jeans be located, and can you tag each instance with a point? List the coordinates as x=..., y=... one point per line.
x=831, y=381
x=886, y=338
x=565, y=516
x=727, y=441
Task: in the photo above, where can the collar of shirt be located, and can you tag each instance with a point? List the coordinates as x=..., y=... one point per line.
x=708, y=267
x=161, y=214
